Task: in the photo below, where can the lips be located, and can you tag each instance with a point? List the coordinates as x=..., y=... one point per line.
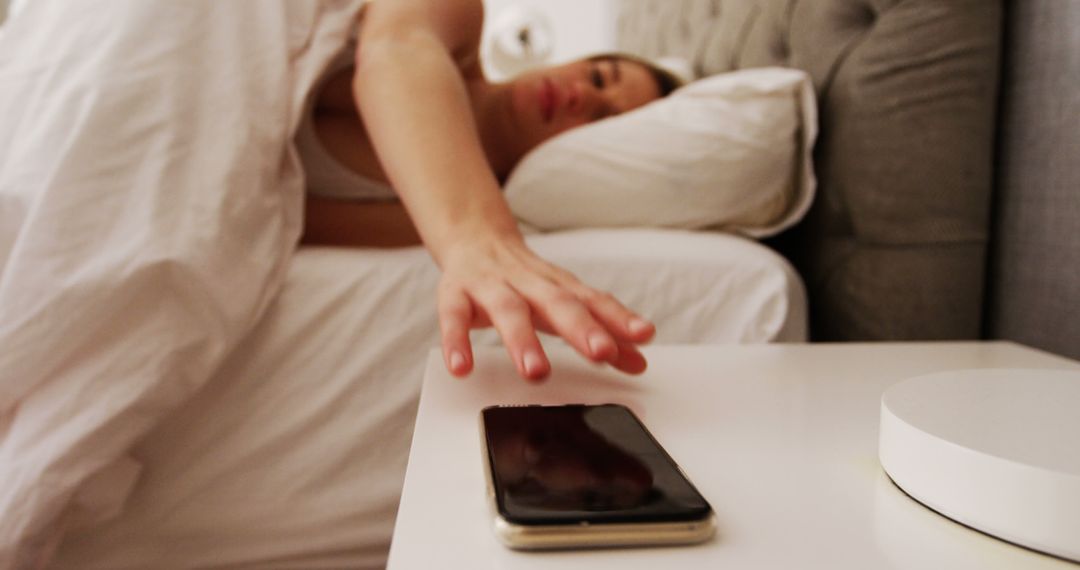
x=549, y=100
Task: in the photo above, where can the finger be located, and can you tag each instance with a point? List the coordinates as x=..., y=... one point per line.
x=625, y=325
x=455, y=319
x=629, y=359
x=560, y=311
x=511, y=317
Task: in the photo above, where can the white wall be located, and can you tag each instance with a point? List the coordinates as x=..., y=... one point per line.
x=8, y=8
x=580, y=26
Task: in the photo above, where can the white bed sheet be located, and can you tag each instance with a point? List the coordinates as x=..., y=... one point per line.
x=293, y=455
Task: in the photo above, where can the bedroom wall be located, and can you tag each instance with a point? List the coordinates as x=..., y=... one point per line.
x=1034, y=282
x=579, y=26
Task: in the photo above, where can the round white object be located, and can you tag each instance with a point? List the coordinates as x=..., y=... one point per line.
x=996, y=450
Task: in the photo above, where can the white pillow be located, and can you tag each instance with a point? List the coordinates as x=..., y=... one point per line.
x=729, y=152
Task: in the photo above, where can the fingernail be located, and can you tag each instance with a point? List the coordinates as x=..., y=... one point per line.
x=532, y=363
x=638, y=326
x=457, y=361
x=598, y=342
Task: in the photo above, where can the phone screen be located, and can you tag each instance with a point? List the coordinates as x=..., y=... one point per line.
x=570, y=464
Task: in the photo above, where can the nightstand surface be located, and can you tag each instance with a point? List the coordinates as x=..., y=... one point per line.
x=781, y=439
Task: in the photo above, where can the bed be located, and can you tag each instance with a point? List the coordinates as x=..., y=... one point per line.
x=294, y=454
x=180, y=386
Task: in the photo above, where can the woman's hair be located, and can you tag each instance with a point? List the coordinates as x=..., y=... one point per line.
x=665, y=80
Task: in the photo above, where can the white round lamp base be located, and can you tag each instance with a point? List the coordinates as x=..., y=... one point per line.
x=996, y=450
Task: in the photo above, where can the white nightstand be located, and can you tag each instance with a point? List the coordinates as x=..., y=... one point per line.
x=781, y=439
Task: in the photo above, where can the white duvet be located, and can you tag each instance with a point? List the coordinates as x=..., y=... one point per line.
x=177, y=388
x=149, y=202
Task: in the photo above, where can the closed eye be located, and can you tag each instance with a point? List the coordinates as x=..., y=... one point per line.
x=596, y=77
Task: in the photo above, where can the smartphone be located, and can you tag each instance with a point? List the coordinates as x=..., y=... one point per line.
x=579, y=476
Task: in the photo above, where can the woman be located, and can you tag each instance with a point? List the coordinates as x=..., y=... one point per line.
x=512, y=119
x=416, y=114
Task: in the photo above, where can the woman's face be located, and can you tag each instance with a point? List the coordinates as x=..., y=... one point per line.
x=549, y=101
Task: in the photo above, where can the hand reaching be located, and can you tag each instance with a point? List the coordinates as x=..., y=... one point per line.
x=500, y=282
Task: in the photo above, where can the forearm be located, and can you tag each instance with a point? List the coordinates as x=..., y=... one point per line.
x=413, y=98
x=417, y=111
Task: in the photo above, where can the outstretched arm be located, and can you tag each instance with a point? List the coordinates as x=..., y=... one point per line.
x=412, y=62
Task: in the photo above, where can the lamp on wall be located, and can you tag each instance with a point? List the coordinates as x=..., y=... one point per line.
x=521, y=38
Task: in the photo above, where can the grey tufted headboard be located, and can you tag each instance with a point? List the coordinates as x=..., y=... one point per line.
x=897, y=245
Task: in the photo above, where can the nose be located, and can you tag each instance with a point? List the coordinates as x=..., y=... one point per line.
x=583, y=97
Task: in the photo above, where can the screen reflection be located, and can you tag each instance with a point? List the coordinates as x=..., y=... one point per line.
x=584, y=462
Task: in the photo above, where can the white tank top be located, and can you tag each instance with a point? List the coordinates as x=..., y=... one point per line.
x=323, y=174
